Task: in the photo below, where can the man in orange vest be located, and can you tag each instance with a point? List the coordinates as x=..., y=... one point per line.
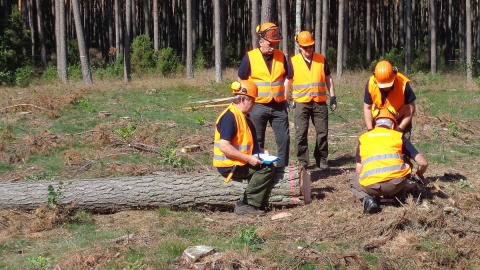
x=310, y=80
x=236, y=149
x=267, y=67
x=380, y=165
x=389, y=88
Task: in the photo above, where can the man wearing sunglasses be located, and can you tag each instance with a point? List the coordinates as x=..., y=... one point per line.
x=310, y=80
x=388, y=88
x=267, y=67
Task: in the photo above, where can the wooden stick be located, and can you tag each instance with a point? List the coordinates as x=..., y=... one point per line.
x=20, y=105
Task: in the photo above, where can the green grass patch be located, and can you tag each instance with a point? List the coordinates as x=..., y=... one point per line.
x=5, y=167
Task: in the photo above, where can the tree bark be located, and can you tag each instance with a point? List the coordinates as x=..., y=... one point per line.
x=62, y=58
x=41, y=33
x=408, y=39
x=340, y=39
x=255, y=22
x=162, y=190
x=155, y=26
x=433, y=37
x=126, y=41
x=324, y=26
x=218, y=42
x=189, y=60
x=84, y=59
x=318, y=25
x=468, y=39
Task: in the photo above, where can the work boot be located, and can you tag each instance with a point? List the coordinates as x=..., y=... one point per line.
x=244, y=209
x=323, y=164
x=370, y=205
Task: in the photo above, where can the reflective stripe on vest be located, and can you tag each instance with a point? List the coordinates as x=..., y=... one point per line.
x=270, y=84
x=309, y=83
x=381, y=156
x=243, y=140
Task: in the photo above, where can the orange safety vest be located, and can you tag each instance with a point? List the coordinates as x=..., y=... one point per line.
x=243, y=140
x=270, y=85
x=381, y=156
x=309, y=83
x=396, y=96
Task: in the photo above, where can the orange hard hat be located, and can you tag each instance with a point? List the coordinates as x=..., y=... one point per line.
x=385, y=74
x=244, y=87
x=384, y=115
x=269, y=31
x=304, y=39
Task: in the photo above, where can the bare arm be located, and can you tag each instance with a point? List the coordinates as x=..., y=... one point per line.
x=367, y=115
x=408, y=116
x=233, y=153
x=330, y=87
x=287, y=84
x=422, y=164
x=358, y=167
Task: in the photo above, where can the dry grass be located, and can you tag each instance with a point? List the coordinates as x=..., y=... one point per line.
x=437, y=232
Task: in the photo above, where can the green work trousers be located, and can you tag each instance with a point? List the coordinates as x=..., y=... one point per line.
x=260, y=181
x=317, y=112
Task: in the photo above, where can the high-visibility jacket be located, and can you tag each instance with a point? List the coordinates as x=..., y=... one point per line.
x=309, y=83
x=243, y=140
x=270, y=85
x=396, y=96
x=381, y=156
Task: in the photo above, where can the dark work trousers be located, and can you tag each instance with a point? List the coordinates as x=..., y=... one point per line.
x=260, y=182
x=390, y=187
x=276, y=115
x=317, y=112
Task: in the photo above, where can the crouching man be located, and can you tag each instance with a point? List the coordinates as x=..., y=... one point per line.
x=235, y=146
x=380, y=164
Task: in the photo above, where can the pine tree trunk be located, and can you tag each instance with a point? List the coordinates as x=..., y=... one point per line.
x=218, y=42
x=189, y=61
x=87, y=75
x=165, y=189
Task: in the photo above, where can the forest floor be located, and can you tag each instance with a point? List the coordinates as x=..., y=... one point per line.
x=438, y=227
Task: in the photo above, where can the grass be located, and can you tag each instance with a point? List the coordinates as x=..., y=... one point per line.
x=70, y=139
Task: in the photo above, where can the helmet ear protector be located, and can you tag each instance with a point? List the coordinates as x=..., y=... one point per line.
x=376, y=111
x=244, y=87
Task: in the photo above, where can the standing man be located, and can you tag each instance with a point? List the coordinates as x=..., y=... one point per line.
x=380, y=164
x=310, y=79
x=234, y=145
x=267, y=67
x=387, y=88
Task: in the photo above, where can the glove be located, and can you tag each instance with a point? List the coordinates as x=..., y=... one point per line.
x=333, y=103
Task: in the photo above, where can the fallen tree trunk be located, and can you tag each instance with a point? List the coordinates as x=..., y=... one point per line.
x=165, y=189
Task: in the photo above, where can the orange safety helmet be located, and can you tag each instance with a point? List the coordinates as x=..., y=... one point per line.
x=269, y=31
x=384, y=74
x=304, y=39
x=385, y=116
x=244, y=87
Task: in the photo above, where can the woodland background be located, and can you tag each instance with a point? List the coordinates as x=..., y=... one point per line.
x=71, y=39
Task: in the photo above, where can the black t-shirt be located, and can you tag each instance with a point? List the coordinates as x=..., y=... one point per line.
x=227, y=127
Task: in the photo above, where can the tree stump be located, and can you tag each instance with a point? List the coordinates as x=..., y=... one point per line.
x=165, y=189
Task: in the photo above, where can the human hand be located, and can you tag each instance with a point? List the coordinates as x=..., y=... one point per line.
x=419, y=179
x=333, y=103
